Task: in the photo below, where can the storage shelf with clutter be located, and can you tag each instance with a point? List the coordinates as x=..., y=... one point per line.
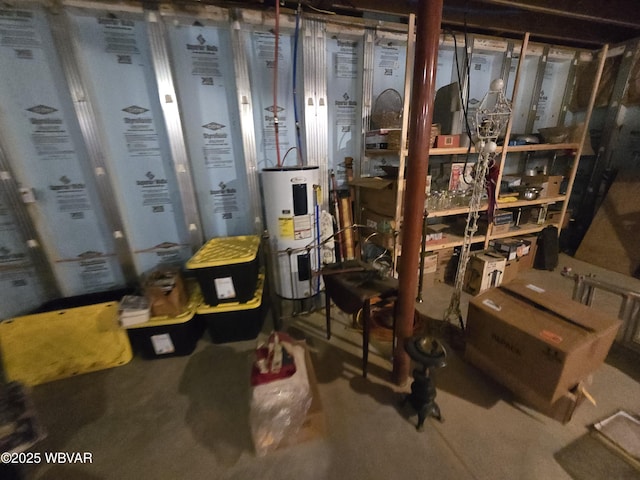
x=536, y=157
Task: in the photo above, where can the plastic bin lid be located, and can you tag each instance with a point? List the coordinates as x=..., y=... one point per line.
x=223, y=251
x=48, y=346
x=204, y=309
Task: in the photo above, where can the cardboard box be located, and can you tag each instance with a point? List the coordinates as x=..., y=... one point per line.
x=383, y=139
x=377, y=194
x=430, y=263
x=511, y=269
x=447, y=141
x=383, y=225
x=502, y=217
x=563, y=408
x=553, y=216
x=391, y=138
x=484, y=270
x=538, y=214
x=508, y=183
x=550, y=184
x=499, y=229
x=435, y=233
x=428, y=280
x=166, y=292
x=511, y=248
x=447, y=264
x=525, y=262
x=539, y=344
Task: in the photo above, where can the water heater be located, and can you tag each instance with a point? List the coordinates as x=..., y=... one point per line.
x=291, y=204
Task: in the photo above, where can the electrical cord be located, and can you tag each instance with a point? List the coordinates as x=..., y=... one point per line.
x=275, y=83
x=295, y=72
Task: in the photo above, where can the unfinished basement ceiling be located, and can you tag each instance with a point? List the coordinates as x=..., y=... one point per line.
x=578, y=23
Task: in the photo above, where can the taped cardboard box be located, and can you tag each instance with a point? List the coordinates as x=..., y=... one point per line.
x=383, y=139
x=377, y=194
x=166, y=292
x=537, y=343
x=550, y=184
x=447, y=265
x=511, y=248
x=511, y=269
x=484, y=270
x=525, y=262
x=384, y=225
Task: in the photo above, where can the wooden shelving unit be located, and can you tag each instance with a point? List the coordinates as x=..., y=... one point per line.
x=571, y=149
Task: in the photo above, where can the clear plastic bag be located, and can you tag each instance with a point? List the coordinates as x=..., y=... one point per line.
x=279, y=408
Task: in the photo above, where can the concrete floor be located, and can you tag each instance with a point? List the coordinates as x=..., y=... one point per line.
x=188, y=417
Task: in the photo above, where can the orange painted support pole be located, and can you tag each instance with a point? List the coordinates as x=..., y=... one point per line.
x=428, y=20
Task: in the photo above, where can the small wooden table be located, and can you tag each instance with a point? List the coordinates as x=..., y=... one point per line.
x=352, y=285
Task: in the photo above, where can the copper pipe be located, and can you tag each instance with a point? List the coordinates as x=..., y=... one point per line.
x=428, y=20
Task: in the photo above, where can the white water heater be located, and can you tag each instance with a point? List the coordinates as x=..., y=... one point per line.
x=291, y=204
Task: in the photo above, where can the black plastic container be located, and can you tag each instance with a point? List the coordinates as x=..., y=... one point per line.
x=234, y=322
x=226, y=269
x=167, y=336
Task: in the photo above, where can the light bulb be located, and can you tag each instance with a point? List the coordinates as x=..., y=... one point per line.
x=497, y=85
x=490, y=147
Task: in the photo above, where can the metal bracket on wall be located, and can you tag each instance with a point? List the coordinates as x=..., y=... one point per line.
x=11, y=192
x=245, y=108
x=367, y=89
x=315, y=87
x=535, y=97
x=170, y=109
x=61, y=32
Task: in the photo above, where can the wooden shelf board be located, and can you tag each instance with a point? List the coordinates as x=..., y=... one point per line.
x=450, y=242
x=463, y=150
x=537, y=201
x=453, y=211
x=525, y=229
x=543, y=146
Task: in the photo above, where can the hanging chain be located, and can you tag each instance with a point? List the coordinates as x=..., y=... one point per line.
x=491, y=117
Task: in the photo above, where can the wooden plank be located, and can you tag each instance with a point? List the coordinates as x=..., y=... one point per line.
x=613, y=239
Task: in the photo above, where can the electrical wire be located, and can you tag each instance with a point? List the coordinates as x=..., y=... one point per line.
x=275, y=83
x=464, y=104
x=295, y=72
x=328, y=12
x=287, y=153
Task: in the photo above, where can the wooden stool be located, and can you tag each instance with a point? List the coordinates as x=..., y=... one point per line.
x=352, y=285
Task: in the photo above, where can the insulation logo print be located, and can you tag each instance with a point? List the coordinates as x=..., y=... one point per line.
x=213, y=126
x=24, y=53
x=273, y=108
x=64, y=179
x=42, y=109
x=135, y=110
x=166, y=245
x=201, y=39
x=125, y=59
x=6, y=256
x=222, y=190
x=89, y=254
